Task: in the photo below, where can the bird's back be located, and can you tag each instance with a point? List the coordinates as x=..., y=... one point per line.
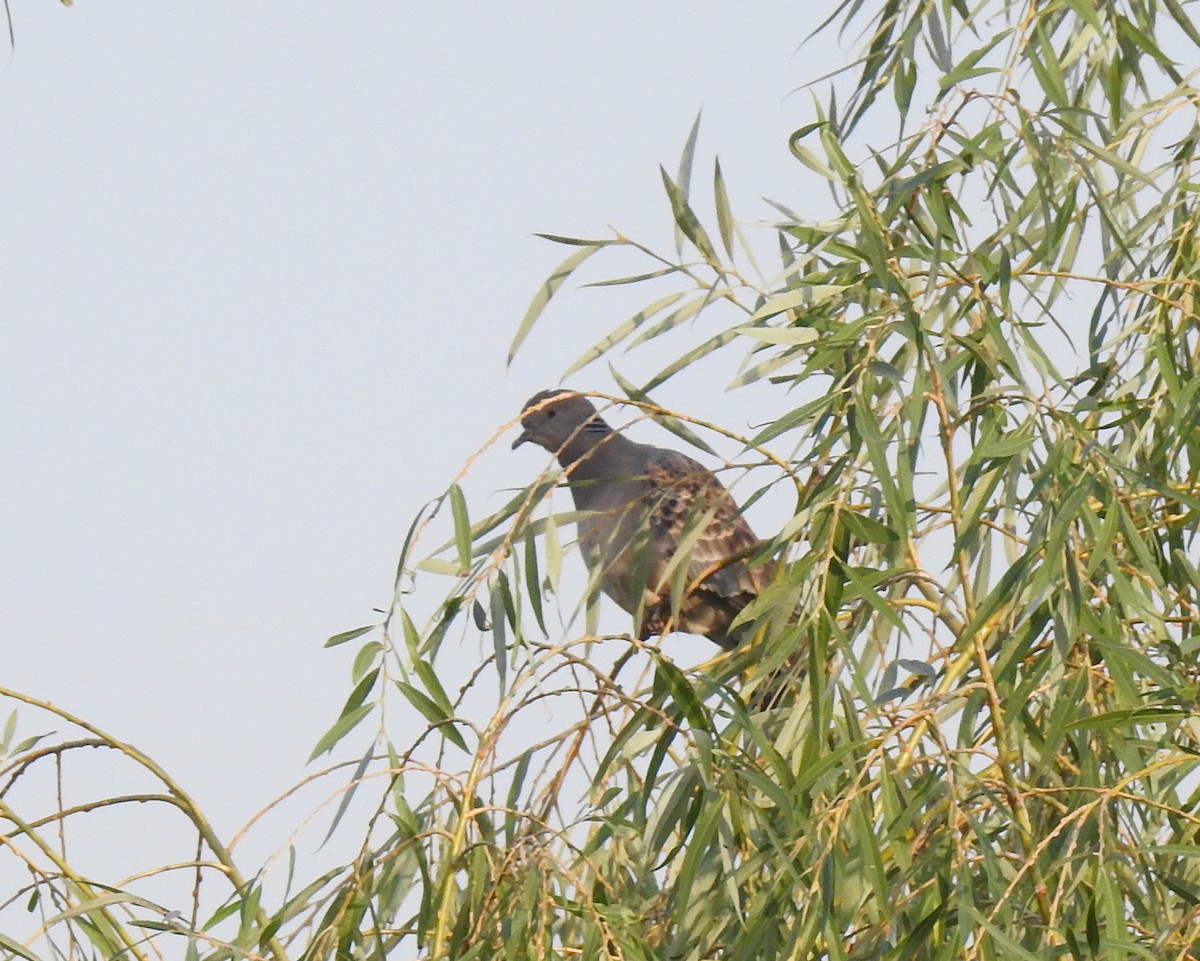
x=656, y=515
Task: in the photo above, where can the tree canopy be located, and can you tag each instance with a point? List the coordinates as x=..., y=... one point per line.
x=966, y=726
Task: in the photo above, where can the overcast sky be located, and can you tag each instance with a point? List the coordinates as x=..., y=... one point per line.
x=261, y=267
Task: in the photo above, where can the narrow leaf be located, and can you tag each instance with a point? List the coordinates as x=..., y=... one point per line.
x=547, y=291
x=724, y=213
x=345, y=724
x=462, y=527
x=687, y=220
x=440, y=719
x=348, y=635
x=787, y=336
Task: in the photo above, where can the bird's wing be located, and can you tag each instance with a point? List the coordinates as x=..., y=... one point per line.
x=691, y=510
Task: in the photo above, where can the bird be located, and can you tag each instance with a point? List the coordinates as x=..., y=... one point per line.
x=660, y=533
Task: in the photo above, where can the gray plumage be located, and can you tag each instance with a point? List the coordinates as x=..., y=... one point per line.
x=644, y=506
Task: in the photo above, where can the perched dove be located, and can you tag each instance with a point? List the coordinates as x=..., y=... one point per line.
x=643, y=505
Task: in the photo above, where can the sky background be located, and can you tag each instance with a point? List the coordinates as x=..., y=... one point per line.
x=262, y=265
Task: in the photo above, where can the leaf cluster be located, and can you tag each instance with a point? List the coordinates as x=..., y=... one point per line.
x=966, y=727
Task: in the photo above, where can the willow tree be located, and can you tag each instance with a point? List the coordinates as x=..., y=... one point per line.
x=981, y=652
x=965, y=727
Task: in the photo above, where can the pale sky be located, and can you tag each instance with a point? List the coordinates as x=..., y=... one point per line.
x=262, y=264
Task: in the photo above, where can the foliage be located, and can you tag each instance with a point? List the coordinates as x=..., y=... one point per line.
x=967, y=725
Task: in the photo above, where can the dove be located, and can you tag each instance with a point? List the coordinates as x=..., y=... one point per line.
x=643, y=507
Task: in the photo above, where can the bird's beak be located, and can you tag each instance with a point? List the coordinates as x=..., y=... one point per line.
x=525, y=435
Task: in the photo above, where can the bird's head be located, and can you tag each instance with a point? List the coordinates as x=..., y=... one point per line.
x=555, y=418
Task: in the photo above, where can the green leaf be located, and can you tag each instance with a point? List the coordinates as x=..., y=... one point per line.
x=868, y=529
x=681, y=693
x=877, y=448
x=686, y=360
x=724, y=213
x=579, y=242
x=673, y=424
x=967, y=69
x=687, y=221
x=1184, y=22
x=343, y=806
x=502, y=615
x=787, y=336
x=348, y=635
x=367, y=655
x=1045, y=65
x=608, y=342
x=807, y=157
x=533, y=586
x=1009, y=946
x=344, y=725
x=16, y=949
x=433, y=685
x=806, y=296
x=673, y=319
x=548, y=289
x=1116, y=719
x=440, y=718
x=686, y=160
x=462, y=527
x=439, y=565
x=635, y=278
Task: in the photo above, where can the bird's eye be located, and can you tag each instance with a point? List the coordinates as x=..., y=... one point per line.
x=550, y=413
